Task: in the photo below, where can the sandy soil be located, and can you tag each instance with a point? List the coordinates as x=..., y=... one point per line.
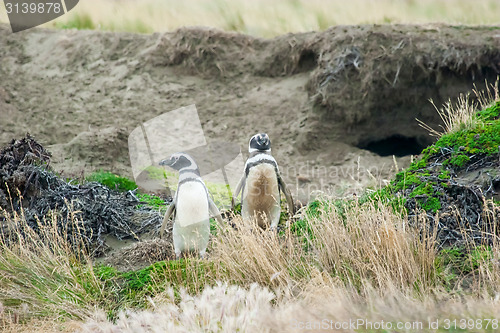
x=320, y=96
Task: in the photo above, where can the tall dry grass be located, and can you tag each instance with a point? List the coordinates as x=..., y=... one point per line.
x=344, y=261
x=462, y=114
x=268, y=18
x=42, y=274
x=360, y=262
x=356, y=246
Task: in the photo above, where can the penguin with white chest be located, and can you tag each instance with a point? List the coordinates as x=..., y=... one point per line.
x=191, y=206
x=261, y=184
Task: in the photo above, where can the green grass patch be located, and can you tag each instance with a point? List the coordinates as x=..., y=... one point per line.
x=112, y=181
x=454, y=263
x=77, y=21
x=220, y=193
x=132, y=289
x=482, y=138
x=152, y=201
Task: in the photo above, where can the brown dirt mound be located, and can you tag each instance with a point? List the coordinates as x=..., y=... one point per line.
x=325, y=98
x=140, y=255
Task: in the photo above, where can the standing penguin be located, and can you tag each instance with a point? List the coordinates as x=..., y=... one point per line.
x=261, y=184
x=191, y=205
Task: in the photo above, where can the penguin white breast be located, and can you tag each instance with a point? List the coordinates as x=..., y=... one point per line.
x=261, y=192
x=192, y=204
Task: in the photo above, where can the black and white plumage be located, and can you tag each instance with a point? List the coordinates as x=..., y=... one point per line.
x=191, y=206
x=261, y=184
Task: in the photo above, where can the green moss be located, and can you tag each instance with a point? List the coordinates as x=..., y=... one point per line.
x=432, y=204
x=386, y=195
x=112, y=181
x=430, y=201
x=429, y=151
x=415, y=178
x=423, y=189
x=484, y=138
x=420, y=164
x=152, y=201
x=445, y=174
x=491, y=113
x=405, y=179
x=457, y=161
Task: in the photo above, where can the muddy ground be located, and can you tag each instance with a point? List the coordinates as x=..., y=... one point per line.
x=337, y=104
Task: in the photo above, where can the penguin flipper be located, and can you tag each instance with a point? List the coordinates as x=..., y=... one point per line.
x=170, y=211
x=237, y=191
x=212, y=208
x=288, y=195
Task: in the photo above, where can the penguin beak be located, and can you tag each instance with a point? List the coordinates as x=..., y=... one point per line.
x=263, y=139
x=167, y=162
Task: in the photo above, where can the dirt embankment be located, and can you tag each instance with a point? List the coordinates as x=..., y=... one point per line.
x=320, y=96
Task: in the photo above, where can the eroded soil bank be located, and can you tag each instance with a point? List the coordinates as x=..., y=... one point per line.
x=324, y=98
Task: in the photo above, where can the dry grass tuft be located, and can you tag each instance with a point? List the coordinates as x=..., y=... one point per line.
x=353, y=246
x=41, y=274
x=454, y=117
x=461, y=115
x=344, y=261
x=219, y=309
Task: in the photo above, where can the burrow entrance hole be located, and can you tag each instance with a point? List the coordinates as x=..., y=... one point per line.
x=307, y=62
x=397, y=145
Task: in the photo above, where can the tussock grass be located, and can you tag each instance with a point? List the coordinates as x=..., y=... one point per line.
x=345, y=261
x=364, y=245
x=268, y=18
x=456, y=117
x=42, y=275
x=365, y=263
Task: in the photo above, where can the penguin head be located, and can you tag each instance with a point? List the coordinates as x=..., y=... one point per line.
x=179, y=161
x=259, y=142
